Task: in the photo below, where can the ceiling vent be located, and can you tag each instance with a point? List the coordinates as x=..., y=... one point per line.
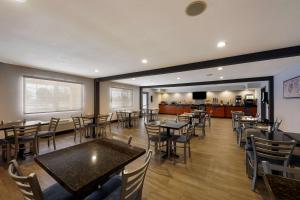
x=195, y=8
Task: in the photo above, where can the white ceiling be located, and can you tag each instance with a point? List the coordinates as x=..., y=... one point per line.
x=219, y=87
x=246, y=70
x=77, y=37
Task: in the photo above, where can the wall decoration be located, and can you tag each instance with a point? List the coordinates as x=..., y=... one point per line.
x=291, y=88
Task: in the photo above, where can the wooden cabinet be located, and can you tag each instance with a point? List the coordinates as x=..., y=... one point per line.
x=174, y=109
x=225, y=111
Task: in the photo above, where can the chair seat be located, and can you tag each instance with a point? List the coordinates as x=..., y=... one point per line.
x=111, y=190
x=182, y=139
x=57, y=192
x=162, y=137
x=45, y=133
x=26, y=138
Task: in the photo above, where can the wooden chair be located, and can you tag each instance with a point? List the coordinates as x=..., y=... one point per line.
x=5, y=148
x=30, y=188
x=278, y=152
x=284, y=187
x=109, y=121
x=202, y=123
x=122, y=119
x=101, y=123
x=25, y=135
x=87, y=125
x=135, y=118
x=50, y=133
x=184, y=139
x=145, y=114
x=157, y=138
x=78, y=128
x=129, y=186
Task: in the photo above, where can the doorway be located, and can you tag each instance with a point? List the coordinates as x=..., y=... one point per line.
x=145, y=100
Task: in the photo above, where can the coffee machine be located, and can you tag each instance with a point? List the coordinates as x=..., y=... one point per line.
x=238, y=100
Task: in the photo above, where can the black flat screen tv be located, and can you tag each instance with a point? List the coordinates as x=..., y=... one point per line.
x=199, y=95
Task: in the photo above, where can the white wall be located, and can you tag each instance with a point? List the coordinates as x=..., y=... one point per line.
x=156, y=98
x=287, y=110
x=11, y=87
x=105, y=96
x=187, y=97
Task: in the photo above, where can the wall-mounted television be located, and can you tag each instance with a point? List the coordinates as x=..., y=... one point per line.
x=199, y=95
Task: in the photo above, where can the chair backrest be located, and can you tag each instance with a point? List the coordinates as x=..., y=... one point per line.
x=77, y=122
x=183, y=118
x=123, y=115
x=102, y=119
x=281, y=187
x=276, y=126
x=110, y=116
x=136, y=114
x=275, y=151
x=20, y=131
x=53, y=124
x=152, y=129
x=132, y=182
x=28, y=185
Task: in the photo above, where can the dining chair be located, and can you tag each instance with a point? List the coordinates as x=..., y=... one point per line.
x=50, y=133
x=185, y=140
x=109, y=121
x=155, y=113
x=101, y=124
x=25, y=135
x=145, y=114
x=30, y=188
x=88, y=126
x=78, y=128
x=5, y=148
x=128, y=186
x=202, y=123
x=281, y=187
x=157, y=138
x=135, y=118
x=276, y=152
x=208, y=117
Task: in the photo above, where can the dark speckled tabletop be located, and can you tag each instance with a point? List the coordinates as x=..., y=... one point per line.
x=82, y=167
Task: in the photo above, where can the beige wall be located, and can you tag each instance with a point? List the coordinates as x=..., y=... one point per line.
x=156, y=98
x=11, y=87
x=105, y=96
x=187, y=97
x=287, y=110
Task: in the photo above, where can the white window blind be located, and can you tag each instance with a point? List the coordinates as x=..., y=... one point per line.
x=121, y=98
x=44, y=96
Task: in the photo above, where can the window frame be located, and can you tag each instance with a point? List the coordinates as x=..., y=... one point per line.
x=110, y=97
x=57, y=80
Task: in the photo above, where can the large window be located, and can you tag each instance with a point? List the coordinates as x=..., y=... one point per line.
x=121, y=98
x=44, y=96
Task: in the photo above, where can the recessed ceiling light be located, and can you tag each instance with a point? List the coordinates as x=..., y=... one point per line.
x=21, y=1
x=220, y=68
x=195, y=8
x=221, y=77
x=178, y=78
x=96, y=70
x=221, y=44
x=145, y=61
x=133, y=79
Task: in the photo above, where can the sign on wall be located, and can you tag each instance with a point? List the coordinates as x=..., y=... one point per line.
x=291, y=88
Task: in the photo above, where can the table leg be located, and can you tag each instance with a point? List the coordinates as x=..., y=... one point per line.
x=129, y=120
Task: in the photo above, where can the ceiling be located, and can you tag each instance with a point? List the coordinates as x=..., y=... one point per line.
x=245, y=70
x=78, y=37
x=211, y=88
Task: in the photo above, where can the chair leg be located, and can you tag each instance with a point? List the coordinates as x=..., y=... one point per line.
x=254, y=178
x=37, y=145
x=54, y=144
x=184, y=153
x=75, y=135
x=189, y=143
x=8, y=152
x=174, y=158
x=48, y=141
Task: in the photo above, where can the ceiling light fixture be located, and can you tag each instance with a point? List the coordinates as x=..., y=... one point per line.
x=178, y=78
x=220, y=68
x=221, y=44
x=221, y=77
x=21, y=1
x=133, y=79
x=96, y=70
x=195, y=8
x=144, y=61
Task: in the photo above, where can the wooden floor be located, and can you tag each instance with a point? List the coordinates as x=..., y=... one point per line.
x=216, y=169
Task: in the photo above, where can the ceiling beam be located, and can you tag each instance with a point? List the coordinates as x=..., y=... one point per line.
x=241, y=80
x=233, y=60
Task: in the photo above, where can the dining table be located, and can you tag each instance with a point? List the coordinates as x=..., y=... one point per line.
x=129, y=113
x=190, y=116
x=169, y=125
x=81, y=168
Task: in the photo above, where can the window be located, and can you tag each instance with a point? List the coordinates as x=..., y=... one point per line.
x=45, y=96
x=121, y=98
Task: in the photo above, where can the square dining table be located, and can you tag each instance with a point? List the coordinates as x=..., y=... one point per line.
x=80, y=169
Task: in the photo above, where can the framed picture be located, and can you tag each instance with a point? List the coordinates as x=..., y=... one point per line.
x=291, y=88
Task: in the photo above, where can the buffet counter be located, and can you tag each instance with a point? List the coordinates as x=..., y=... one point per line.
x=222, y=111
